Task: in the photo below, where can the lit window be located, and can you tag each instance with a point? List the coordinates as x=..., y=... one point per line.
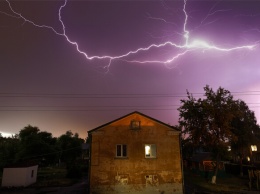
x=135, y=124
x=254, y=148
x=150, y=151
x=121, y=150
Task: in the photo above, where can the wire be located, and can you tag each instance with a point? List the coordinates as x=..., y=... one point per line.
x=55, y=108
x=90, y=110
x=118, y=95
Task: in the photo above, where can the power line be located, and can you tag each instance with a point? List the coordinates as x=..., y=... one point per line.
x=89, y=110
x=117, y=95
x=93, y=110
x=86, y=108
x=65, y=108
x=129, y=106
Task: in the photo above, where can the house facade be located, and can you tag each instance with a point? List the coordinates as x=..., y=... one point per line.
x=135, y=154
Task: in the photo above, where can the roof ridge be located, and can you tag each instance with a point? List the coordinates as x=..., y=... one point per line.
x=134, y=112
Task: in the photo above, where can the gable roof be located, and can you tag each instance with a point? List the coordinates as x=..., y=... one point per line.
x=135, y=112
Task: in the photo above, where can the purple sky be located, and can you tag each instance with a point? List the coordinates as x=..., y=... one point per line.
x=47, y=83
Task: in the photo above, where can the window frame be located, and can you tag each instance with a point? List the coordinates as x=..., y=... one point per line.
x=152, y=152
x=135, y=124
x=121, y=151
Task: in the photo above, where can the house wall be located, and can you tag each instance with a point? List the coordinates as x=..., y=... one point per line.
x=135, y=174
x=19, y=177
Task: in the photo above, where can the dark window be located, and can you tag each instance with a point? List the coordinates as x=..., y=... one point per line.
x=121, y=150
x=118, y=150
x=124, y=151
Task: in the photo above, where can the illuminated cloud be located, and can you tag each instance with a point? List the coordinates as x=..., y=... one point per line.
x=188, y=44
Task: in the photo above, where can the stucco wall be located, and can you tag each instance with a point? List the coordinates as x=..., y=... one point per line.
x=19, y=177
x=135, y=173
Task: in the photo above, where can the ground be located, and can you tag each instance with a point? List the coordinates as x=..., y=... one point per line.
x=194, y=183
x=77, y=188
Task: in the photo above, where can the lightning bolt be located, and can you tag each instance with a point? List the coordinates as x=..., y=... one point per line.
x=187, y=46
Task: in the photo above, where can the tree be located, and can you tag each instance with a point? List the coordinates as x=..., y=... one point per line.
x=27, y=132
x=29, y=144
x=9, y=146
x=245, y=128
x=71, y=147
x=36, y=145
x=49, y=148
x=71, y=150
x=33, y=145
x=207, y=122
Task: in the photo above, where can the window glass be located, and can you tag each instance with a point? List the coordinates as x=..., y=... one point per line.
x=150, y=151
x=121, y=150
x=135, y=124
x=118, y=150
x=147, y=150
x=124, y=151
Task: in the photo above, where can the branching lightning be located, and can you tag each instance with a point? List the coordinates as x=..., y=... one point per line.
x=187, y=46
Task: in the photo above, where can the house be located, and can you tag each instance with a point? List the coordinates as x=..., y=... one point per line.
x=21, y=175
x=135, y=154
x=203, y=164
x=201, y=161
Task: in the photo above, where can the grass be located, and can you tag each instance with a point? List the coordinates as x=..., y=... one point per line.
x=53, y=176
x=225, y=183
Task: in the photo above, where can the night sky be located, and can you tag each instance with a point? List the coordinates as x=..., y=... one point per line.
x=46, y=82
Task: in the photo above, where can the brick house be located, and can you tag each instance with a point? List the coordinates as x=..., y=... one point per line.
x=135, y=154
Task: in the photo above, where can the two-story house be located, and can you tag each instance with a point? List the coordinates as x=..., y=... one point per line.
x=135, y=154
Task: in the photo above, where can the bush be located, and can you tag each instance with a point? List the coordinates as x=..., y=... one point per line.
x=74, y=171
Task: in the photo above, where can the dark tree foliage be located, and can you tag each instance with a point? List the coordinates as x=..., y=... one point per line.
x=33, y=145
x=70, y=147
x=29, y=144
x=215, y=122
x=9, y=146
x=28, y=132
x=246, y=129
x=36, y=145
x=207, y=121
